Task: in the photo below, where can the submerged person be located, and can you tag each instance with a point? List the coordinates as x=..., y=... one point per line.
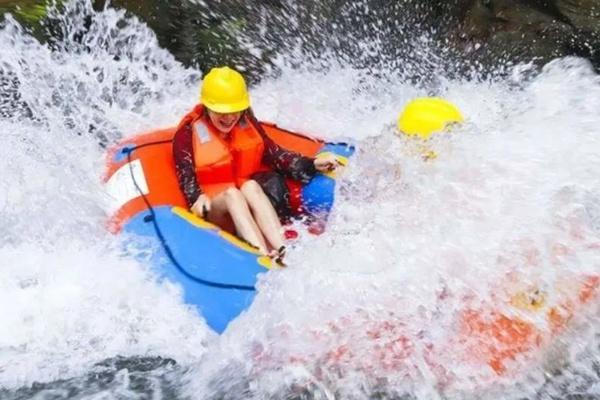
x=220, y=149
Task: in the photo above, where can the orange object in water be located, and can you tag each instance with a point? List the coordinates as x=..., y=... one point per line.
x=497, y=338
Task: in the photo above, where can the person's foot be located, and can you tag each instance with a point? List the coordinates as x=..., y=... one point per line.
x=278, y=255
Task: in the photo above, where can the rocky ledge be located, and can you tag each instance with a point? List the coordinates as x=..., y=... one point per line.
x=491, y=31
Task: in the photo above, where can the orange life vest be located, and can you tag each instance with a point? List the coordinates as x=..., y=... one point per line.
x=220, y=163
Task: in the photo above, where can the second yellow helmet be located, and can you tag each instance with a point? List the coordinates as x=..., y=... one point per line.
x=224, y=91
x=425, y=116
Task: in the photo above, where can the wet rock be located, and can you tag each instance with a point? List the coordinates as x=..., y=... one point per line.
x=417, y=39
x=583, y=14
x=120, y=377
x=372, y=33
x=496, y=31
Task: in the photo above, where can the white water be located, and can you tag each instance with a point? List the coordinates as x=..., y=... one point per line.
x=69, y=298
x=518, y=176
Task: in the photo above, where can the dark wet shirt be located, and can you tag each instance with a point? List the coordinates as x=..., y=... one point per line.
x=288, y=163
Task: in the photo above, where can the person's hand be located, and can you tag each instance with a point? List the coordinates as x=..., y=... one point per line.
x=202, y=206
x=327, y=163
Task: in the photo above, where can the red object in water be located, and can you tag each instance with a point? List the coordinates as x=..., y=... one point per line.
x=317, y=227
x=291, y=234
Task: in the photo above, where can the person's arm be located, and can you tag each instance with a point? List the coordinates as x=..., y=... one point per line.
x=183, y=153
x=288, y=163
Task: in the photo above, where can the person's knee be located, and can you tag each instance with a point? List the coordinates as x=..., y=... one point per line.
x=251, y=188
x=233, y=195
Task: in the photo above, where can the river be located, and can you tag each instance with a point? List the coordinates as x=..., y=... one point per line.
x=408, y=241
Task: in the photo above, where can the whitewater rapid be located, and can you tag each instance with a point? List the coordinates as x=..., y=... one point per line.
x=403, y=231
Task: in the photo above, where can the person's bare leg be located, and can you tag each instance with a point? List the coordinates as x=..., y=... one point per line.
x=233, y=202
x=264, y=213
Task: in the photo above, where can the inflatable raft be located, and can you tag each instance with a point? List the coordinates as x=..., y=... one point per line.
x=216, y=270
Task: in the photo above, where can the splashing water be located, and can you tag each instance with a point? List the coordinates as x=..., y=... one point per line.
x=372, y=307
x=69, y=297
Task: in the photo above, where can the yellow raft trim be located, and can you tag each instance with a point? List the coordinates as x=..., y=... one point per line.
x=193, y=219
x=267, y=262
x=341, y=159
x=530, y=300
x=263, y=261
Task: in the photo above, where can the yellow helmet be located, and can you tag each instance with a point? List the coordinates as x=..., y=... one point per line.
x=425, y=116
x=224, y=91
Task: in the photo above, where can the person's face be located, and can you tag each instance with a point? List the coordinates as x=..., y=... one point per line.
x=224, y=122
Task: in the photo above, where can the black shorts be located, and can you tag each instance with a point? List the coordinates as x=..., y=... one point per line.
x=274, y=186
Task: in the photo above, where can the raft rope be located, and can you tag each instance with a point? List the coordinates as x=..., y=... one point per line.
x=161, y=237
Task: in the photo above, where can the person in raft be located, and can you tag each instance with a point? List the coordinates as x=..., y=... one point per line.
x=219, y=149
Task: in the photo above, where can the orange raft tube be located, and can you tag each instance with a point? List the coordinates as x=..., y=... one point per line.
x=216, y=270
x=485, y=344
x=516, y=329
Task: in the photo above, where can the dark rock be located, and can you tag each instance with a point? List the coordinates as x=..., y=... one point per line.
x=418, y=39
x=496, y=31
x=130, y=377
